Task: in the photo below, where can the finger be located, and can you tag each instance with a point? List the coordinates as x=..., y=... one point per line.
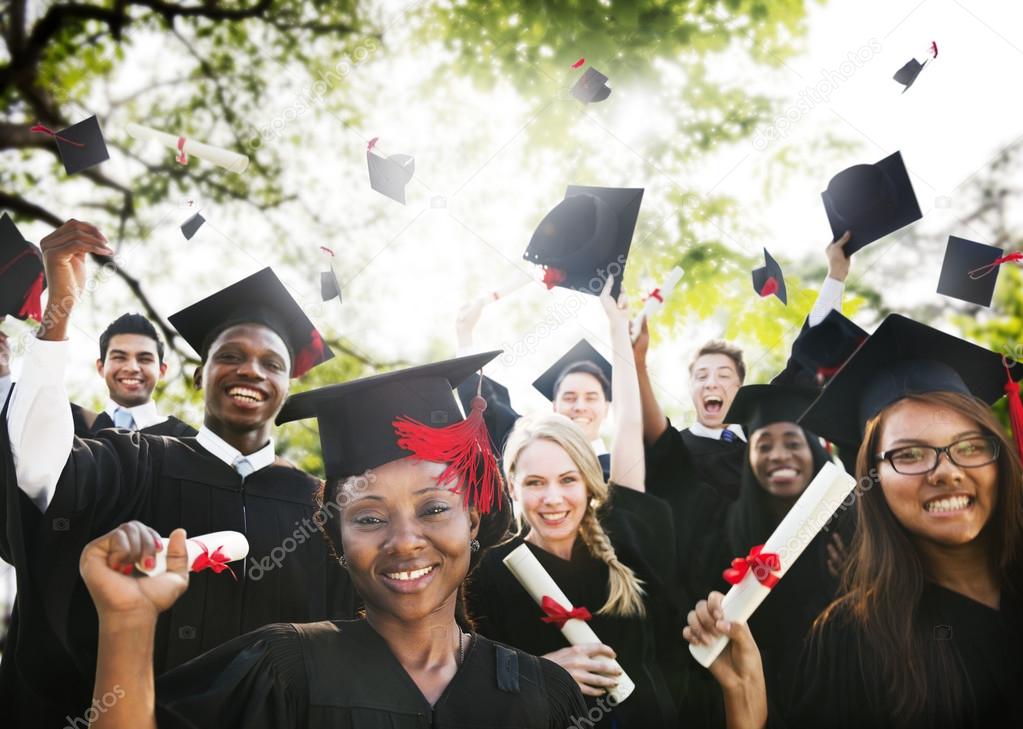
x=695, y=633
x=843, y=240
x=838, y=541
x=147, y=546
x=608, y=284
x=80, y=245
x=705, y=618
x=118, y=549
x=588, y=690
x=177, y=553
x=715, y=602
x=602, y=650
x=133, y=530
x=597, y=679
x=157, y=539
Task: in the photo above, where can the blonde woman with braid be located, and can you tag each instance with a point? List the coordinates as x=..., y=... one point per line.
x=606, y=544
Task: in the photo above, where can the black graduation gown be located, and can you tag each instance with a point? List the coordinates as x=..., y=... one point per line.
x=500, y=417
x=680, y=459
x=342, y=675
x=639, y=528
x=171, y=426
x=166, y=483
x=840, y=684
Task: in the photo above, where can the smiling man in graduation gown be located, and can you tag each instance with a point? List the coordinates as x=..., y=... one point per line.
x=61, y=491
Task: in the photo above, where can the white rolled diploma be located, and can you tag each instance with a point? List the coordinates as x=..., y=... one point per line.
x=231, y=161
x=805, y=519
x=538, y=583
x=232, y=544
x=651, y=306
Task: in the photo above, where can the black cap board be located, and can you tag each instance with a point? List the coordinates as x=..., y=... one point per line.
x=581, y=352
x=357, y=418
x=908, y=73
x=191, y=226
x=962, y=258
x=903, y=357
x=260, y=298
x=81, y=146
x=586, y=238
x=330, y=287
x=591, y=87
x=390, y=175
x=755, y=406
x=823, y=349
x=871, y=201
x=21, y=272
x=768, y=279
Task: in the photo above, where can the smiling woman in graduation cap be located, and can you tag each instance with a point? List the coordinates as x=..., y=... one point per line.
x=929, y=632
x=413, y=499
x=63, y=491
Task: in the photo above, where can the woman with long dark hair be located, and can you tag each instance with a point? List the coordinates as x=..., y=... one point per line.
x=410, y=508
x=929, y=630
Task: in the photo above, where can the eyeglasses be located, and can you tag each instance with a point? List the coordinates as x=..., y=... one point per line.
x=919, y=459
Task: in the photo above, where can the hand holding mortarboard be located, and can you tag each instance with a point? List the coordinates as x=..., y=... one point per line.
x=838, y=261
x=64, y=258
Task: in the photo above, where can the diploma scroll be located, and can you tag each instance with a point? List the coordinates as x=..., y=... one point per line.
x=501, y=293
x=231, y=161
x=655, y=302
x=538, y=583
x=805, y=519
x=210, y=551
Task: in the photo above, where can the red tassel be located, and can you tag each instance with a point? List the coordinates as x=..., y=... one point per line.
x=465, y=447
x=1015, y=410
x=552, y=277
x=310, y=356
x=32, y=305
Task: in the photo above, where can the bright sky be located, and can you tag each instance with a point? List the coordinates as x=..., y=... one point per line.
x=480, y=188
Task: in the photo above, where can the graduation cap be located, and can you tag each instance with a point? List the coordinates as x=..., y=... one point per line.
x=582, y=353
x=824, y=348
x=81, y=145
x=908, y=73
x=586, y=238
x=591, y=86
x=374, y=420
x=871, y=201
x=260, y=298
x=969, y=271
x=330, y=287
x=904, y=357
x=768, y=279
x=191, y=226
x=389, y=175
x=21, y=274
x=755, y=406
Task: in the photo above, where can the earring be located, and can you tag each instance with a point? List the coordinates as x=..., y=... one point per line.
x=344, y=561
x=474, y=545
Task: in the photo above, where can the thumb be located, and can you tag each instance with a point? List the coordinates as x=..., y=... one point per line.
x=177, y=553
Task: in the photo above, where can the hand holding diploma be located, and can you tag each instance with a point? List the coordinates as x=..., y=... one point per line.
x=210, y=551
x=231, y=161
x=655, y=300
x=542, y=588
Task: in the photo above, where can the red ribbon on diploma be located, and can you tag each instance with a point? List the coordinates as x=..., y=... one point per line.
x=656, y=294
x=182, y=158
x=216, y=561
x=763, y=564
x=559, y=615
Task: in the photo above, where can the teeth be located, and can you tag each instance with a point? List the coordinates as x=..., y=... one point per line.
x=413, y=575
x=554, y=516
x=785, y=473
x=952, y=503
x=245, y=393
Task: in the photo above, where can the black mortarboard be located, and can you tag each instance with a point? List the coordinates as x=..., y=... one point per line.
x=755, y=406
x=389, y=175
x=191, y=226
x=591, y=86
x=21, y=273
x=871, y=201
x=362, y=421
x=330, y=287
x=81, y=145
x=823, y=349
x=581, y=352
x=768, y=279
x=260, y=298
x=586, y=238
x=908, y=73
x=960, y=277
x=903, y=357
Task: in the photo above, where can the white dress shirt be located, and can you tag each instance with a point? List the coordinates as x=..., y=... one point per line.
x=5, y=387
x=229, y=454
x=703, y=431
x=599, y=446
x=144, y=415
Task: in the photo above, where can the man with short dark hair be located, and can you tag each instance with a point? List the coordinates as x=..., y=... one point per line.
x=131, y=363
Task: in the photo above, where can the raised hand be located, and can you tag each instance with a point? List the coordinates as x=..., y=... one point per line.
x=64, y=251
x=617, y=311
x=591, y=665
x=466, y=320
x=838, y=262
x=118, y=590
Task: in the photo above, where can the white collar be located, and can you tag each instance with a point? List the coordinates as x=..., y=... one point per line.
x=229, y=454
x=598, y=446
x=703, y=431
x=144, y=415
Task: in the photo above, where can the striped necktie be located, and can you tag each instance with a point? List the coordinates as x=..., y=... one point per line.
x=728, y=436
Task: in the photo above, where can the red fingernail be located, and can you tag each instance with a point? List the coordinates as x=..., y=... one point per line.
x=149, y=563
x=126, y=569
x=159, y=545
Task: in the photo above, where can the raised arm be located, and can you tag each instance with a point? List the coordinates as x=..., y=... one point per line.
x=654, y=420
x=39, y=418
x=830, y=295
x=628, y=467
x=128, y=607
